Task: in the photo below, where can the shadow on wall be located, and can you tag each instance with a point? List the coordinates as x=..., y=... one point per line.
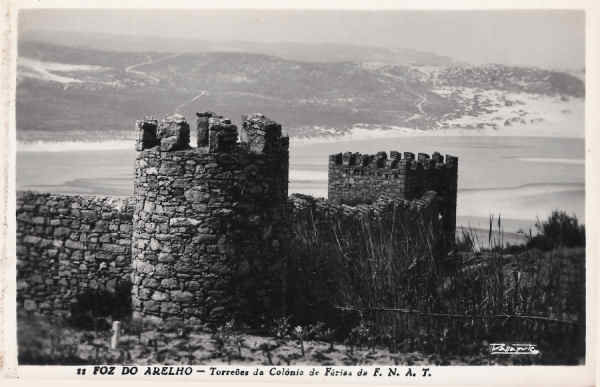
x=95, y=307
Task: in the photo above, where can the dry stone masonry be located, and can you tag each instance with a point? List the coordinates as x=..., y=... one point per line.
x=69, y=244
x=209, y=223
x=206, y=237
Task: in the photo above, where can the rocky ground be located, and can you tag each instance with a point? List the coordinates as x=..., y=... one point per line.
x=41, y=342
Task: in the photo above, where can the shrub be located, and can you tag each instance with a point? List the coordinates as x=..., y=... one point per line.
x=466, y=240
x=281, y=328
x=559, y=230
x=361, y=335
x=45, y=341
x=222, y=338
x=300, y=335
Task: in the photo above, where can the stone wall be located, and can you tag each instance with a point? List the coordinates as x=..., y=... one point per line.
x=209, y=224
x=68, y=244
x=210, y=233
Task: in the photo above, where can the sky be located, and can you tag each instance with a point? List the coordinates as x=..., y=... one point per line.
x=542, y=38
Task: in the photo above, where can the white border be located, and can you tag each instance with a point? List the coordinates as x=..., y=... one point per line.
x=530, y=375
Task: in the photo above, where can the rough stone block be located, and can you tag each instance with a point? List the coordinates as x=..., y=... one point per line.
x=160, y=296
x=194, y=195
x=38, y=220
x=151, y=306
x=74, y=245
x=222, y=135
x=30, y=305
x=170, y=168
x=202, y=127
x=32, y=239
x=165, y=257
x=183, y=222
x=180, y=296
x=154, y=244
x=146, y=134
x=169, y=283
x=89, y=214
x=173, y=133
x=161, y=270
x=113, y=248
x=260, y=133
x=169, y=308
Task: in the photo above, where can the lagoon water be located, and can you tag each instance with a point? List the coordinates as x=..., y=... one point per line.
x=519, y=178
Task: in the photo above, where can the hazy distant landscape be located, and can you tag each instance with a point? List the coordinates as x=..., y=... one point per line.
x=66, y=92
x=75, y=90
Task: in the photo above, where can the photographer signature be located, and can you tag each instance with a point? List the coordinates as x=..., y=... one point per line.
x=513, y=349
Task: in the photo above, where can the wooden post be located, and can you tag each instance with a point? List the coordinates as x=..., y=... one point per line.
x=116, y=328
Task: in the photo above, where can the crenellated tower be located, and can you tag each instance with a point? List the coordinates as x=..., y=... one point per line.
x=356, y=178
x=209, y=226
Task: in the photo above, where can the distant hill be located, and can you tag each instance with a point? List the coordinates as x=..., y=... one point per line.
x=66, y=89
x=511, y=78
x=305, y=52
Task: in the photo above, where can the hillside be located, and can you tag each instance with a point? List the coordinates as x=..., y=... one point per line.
x=295, y=51
x=69, y=91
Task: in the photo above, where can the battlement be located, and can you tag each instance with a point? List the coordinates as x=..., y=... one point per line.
x=214, y=133
x=394, y=160
x=356, y=178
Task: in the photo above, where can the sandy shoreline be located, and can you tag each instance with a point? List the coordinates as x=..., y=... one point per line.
x=357, y=134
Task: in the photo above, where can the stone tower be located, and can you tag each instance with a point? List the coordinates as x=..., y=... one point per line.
x=356, y=178
x=209, y=235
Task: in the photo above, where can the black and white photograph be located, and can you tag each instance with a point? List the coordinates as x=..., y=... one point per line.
x=284, y=188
